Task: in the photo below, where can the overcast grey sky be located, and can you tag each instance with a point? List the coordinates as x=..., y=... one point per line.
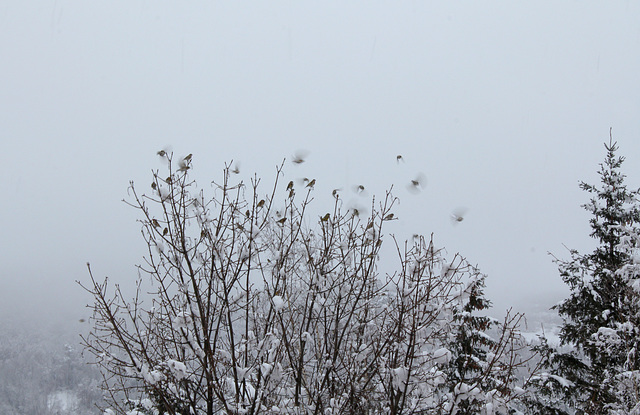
x=503, y=105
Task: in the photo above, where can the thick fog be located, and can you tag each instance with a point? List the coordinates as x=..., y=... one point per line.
x=502, y=106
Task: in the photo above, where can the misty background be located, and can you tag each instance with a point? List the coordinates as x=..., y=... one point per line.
x=503, y=106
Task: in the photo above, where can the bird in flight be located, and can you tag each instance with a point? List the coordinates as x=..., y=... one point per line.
x=457, y=215
x=299, y=156
x=418, y=183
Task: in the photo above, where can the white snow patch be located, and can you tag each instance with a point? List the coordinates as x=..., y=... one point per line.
x=442, y=356
x=63, y=402
x=178, y=369
x=278, y=302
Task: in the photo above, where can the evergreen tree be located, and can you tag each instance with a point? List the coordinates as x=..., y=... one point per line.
x=478, y=377
x=470, y=345
x=601, y=315
x=471, y=348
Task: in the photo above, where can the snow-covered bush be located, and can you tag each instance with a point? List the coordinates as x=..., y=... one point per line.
x=259, y=306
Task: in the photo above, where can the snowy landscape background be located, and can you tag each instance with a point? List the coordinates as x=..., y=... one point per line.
x=502, y=107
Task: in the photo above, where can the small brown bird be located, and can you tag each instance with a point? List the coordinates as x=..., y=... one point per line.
x=335, y=194
x=399, y=159
x=183, y=165
x=311, y=183
x=290, y=185
x=165, y=152
x=359, y=189
x=299, y=156
x=416, y=185
x=357, y=209
x=325, y=217
x=236, y=168
x=281, y=221
x=457, y=215
x=389, y=217
x=260, y=203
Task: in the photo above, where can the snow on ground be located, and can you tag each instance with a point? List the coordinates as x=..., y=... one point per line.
x=551, y=333
x=63, y=402
x=541, y=321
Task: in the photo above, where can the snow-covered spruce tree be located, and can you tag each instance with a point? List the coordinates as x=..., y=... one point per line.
x=259, y=306
x=601, y=315
x=482, y=363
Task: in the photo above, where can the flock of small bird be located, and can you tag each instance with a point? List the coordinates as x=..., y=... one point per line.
x=415, y=185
